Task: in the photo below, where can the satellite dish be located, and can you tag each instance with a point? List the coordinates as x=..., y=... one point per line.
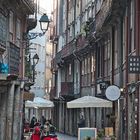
x=112, y=93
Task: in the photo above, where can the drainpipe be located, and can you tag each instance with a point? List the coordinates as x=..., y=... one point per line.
x=137, y=37
x=126, y=79
x=67, y=21
x=112, y=78
x=121, y=79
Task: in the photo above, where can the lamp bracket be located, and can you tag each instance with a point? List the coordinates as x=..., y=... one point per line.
x=34, y=35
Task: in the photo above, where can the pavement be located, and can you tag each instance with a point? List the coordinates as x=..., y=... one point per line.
x=65, y=137
x=60, y=136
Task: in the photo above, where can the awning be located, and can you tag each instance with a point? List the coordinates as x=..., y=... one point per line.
x=43, y=103
x=29, y=104
x=89, y=101
x=39, y=102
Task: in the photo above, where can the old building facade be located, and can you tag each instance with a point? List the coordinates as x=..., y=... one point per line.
x=95, y=40
x=14, y=24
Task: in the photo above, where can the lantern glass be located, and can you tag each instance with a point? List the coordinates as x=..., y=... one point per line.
x=44, y=23
x=35, y=59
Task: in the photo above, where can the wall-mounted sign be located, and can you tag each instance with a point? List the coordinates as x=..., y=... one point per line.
x=134, y=64
x=112, y=93
x=4, y=68
x=87, y=133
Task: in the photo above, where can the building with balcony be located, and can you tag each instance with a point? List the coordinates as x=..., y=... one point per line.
x=95, y=41
x=13, y=24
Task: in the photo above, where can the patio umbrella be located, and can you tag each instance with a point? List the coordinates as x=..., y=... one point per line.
x=89, y=101
x=39, y=102
x=42, y=103
x=29, y=104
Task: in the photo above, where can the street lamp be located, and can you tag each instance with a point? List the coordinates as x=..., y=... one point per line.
x=44, y=24
x=35, y=61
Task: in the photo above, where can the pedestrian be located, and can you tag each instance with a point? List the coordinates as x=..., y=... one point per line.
x=47, y=128
x=36, y=134
x=81, y=122
x=52, y=127
x=42, y=120
x=33, y=121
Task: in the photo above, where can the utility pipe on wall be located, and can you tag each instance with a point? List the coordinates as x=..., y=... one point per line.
x=137, y=37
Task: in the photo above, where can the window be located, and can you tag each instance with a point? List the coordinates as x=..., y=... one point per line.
x=116, y=48
x=88, y=70
x=11, y=25
x=69, y=69
x=93, y=68
x=11, y=22
x=107, y=56
x=18, y=27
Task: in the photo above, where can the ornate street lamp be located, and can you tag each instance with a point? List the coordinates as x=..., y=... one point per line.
x=35, y=61
x=44, y=23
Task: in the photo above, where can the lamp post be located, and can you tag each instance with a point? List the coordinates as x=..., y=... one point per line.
x=35, y=61
x=44, y=24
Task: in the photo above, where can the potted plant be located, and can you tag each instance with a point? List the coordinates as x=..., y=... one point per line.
x=100, y=134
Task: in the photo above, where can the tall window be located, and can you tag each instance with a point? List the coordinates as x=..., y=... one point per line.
x=116, y=48
x=93, y=68
x=18, y=27
x=11, y=25
x=69, y=69
x=18, y=32
x=88, y=70
x=107, y=56
x=132, y=23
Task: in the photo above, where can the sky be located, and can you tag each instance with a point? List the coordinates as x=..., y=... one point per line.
x=47, y=5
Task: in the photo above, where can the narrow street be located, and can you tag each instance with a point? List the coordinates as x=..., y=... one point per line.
x=59, y=135
x=70, y=66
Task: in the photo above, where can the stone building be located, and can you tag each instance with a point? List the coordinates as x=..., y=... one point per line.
x=95, y=42
x=14, y=24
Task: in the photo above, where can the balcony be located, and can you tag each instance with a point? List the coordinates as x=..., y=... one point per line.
x=31, y=22
x=14, y=59
x=68, y=49
x=67, y=89
x=82, y=42
x=103, y=14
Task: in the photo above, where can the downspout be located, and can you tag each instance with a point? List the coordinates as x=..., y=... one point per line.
x=137, y=37
x=121, y=77
x=126, y=78
x=66, y=32
x=112, y=74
